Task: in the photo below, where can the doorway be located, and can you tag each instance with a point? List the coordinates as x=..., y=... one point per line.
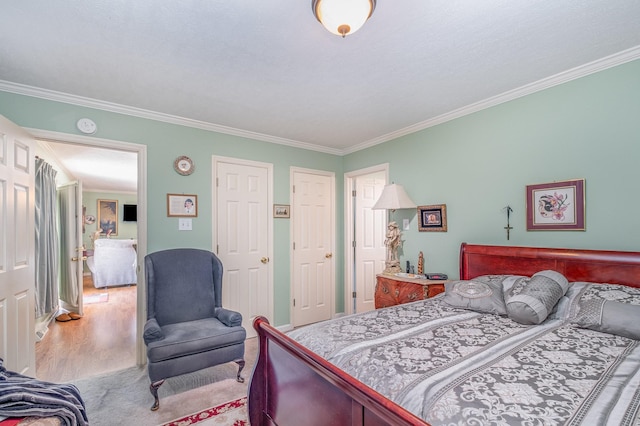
x=364, y=236
x=126, y=302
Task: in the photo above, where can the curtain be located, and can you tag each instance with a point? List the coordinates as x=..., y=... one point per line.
x=46, y=253
x=70, y=292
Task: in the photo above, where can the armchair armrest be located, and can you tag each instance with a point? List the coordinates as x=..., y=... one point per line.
x=152, y=331
x=228, y=317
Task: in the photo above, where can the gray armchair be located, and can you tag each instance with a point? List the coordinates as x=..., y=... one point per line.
x=187, y=328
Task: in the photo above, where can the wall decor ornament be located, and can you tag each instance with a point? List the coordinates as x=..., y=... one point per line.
x=108, y=217
x=182, y=205
x=432, y=218
x=556, y=206
x=183, y=165
x=281, y=210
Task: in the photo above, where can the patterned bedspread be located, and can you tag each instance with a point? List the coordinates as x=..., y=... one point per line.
x=460, y=367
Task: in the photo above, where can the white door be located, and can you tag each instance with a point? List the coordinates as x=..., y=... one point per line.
x=313, y=223
x=369, y=250
x=17, y=241
x=71, y=246
x=243, y=227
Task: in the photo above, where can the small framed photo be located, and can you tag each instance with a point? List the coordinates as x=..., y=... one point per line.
x=182, y=205
x=108, y=217
x=281, y=210
x=557, y=206
x=432, y=218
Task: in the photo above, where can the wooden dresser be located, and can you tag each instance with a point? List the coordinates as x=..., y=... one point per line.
x=392, y=290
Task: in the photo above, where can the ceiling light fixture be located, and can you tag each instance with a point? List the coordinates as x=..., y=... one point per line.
x=342, y=17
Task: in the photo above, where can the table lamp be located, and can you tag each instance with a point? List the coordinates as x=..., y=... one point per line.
x=393, y=197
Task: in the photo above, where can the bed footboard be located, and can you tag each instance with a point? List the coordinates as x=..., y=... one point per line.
x=291, y=385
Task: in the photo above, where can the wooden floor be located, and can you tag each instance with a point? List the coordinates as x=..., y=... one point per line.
x=102, y=341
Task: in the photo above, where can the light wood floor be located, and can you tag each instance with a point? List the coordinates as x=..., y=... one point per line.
x=100, y=342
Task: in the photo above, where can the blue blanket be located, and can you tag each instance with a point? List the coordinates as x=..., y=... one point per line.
x=22, y=396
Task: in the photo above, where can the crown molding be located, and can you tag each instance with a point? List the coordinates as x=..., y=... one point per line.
x=545, y=83
x=554, y=80
x=53, y=95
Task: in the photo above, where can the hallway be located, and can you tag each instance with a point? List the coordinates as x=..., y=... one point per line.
x=102, y=341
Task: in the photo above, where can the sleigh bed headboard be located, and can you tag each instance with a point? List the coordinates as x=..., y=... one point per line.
x=598, y=266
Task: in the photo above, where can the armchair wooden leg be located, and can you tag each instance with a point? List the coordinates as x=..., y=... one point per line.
x=154, y=391
x=240, y=363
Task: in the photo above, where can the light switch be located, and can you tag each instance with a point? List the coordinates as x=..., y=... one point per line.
x=184, y=224
x=405, y=224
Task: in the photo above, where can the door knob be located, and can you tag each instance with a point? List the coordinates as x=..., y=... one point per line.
x=328, y=255
x=264, y=260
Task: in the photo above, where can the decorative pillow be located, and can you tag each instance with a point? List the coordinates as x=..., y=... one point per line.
x=531, y=302
x=607, y=316
x=482, y=294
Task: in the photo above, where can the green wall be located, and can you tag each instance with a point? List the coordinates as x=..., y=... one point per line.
x=164, y=143
x=588, y=128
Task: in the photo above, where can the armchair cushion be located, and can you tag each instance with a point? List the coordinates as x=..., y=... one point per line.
x=192, y=337
x=152, y=331
x=228, y=317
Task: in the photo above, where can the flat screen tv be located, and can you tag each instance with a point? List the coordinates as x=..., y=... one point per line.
x=129, y=213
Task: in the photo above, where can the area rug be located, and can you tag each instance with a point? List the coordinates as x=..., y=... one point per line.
x=233, y=413
x=95, y=298
x=119, y=397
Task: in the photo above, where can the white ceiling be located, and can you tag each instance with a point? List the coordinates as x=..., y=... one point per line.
x=99, y=170
x=268, y=70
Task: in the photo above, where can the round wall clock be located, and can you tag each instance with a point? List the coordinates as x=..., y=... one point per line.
x=87, y=126
x=184, y=165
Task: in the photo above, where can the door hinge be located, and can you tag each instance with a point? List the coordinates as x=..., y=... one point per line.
x=353, y=243
x=294, y=303
x=293, y=189
x=353, y=193
x=353, y=294
x=294, y=245
x=217, y=183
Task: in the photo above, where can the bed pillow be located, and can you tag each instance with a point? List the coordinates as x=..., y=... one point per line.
x=482, y=294
x=531, y=301
x=608, y=316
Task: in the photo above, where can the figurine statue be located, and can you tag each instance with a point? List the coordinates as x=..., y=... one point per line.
x=420, y=264
x=392, y=242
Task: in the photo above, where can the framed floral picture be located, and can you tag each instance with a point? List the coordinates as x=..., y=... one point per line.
x=557, y=206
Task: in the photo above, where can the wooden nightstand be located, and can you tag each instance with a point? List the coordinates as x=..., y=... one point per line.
x=392, y=290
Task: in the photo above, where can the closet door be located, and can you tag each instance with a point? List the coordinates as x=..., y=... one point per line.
x=17, y=241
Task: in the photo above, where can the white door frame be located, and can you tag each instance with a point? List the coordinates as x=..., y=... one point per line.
x=349, y=237
x=141, y=151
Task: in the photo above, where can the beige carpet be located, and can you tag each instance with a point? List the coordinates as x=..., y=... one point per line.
x=123, y=397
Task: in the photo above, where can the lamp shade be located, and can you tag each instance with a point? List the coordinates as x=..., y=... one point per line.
x=342, y=17
x=393, y=197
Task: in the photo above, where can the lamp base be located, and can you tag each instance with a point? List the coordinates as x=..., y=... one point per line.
x=392, y=267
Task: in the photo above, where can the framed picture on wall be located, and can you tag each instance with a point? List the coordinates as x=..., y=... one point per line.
x=556, y=206
x=281, y=210
x=182, y=205
x=108, y=217
x=432, y=218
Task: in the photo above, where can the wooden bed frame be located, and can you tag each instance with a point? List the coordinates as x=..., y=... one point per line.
x=293, y=386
